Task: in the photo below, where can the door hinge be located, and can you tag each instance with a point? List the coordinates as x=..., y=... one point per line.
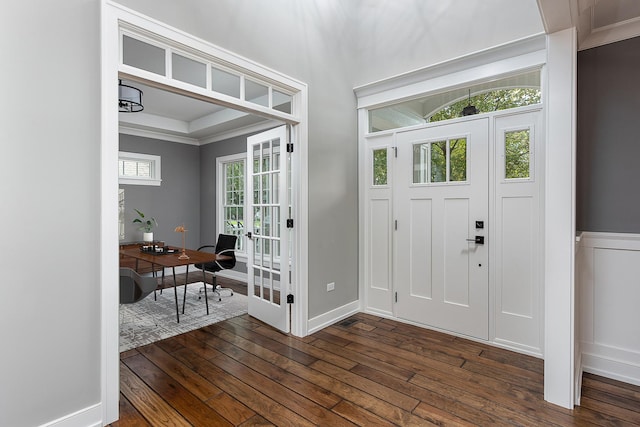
x=290, y=223
x=395, y=152
x=396, y=225
x=290, y=147
x=396, y=297
x=290, y=299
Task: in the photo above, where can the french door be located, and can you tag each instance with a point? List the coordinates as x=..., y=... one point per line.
x=441, y=211
x=268, y=207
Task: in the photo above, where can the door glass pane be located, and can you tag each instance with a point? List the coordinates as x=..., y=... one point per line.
x=225, y=82
x=266, y=188
x=517, y=154
x=458, y=159
x=439, y=161
x=266, y=221
x=189, y=71
x=257, y=225
x=143, y=55
x=380, y=166
x=420, y=163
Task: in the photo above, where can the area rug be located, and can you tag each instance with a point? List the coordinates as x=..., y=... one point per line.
x=138, y=321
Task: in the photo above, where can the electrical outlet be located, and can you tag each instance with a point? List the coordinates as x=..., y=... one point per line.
x=331, y=286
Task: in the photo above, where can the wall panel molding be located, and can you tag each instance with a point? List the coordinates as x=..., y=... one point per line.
x=609, y=291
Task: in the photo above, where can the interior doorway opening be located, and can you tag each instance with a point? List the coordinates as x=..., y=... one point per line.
x=116, y=21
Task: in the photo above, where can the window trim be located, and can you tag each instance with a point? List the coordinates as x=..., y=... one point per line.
x=155, y=170
x=221, y=161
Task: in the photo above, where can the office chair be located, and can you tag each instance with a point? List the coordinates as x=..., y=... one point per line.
x=226, y=246
x=135, y=288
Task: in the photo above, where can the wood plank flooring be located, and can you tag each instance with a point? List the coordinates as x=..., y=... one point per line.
x=365, y=371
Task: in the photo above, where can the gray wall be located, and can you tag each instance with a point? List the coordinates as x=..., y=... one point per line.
x=176, y=201
x=50, y=192
x=608, y=146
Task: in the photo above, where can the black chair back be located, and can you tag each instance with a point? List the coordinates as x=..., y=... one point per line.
x=226, y=246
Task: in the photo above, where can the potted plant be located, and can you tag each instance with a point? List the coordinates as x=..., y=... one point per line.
x=146, y=225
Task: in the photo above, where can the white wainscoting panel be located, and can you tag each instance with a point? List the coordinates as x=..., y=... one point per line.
x=379, y=255
x=609, y=298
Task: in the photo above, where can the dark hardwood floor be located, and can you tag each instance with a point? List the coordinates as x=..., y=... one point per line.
x=364, y=371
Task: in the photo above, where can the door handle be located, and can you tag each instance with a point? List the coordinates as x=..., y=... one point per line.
x=478, y=240
x=249, y=235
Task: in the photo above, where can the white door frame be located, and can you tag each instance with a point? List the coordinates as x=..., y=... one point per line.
x=112, y=17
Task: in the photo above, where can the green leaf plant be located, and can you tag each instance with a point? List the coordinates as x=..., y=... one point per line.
x=146, y=225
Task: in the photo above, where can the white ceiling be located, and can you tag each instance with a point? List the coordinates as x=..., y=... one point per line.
x=178, y=118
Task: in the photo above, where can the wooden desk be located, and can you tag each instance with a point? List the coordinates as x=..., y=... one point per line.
x=173, y=261
x=139, y=266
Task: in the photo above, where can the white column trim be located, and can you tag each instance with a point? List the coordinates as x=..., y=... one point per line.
x=559, y=373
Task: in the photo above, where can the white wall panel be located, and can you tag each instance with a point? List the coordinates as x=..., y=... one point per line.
x=517, y=285
x=379, y=254
x=420, y=247
x=456, y=270
x=420, y=251
x=609, y=290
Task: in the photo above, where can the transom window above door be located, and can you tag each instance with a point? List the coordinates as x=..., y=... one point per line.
x=500, y=94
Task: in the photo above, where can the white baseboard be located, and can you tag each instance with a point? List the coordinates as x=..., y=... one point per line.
x=87, y=417
x=616, y=369
x=578, y=380
x=333, y=316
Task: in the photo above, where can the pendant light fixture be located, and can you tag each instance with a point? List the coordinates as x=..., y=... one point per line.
x=469, y=110
x=129, y=99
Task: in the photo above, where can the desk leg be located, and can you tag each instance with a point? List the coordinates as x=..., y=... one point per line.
x=204, y=280
x=186, y=281
x=153, y=273
x=175, y=291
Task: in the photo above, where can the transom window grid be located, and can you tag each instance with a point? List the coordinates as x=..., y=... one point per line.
x=440, y=162
x=507, y=92
x=139, y=169
x=153, y=56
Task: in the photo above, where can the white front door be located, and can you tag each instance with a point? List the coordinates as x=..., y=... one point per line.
x=441, y=209
x=268, y=204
